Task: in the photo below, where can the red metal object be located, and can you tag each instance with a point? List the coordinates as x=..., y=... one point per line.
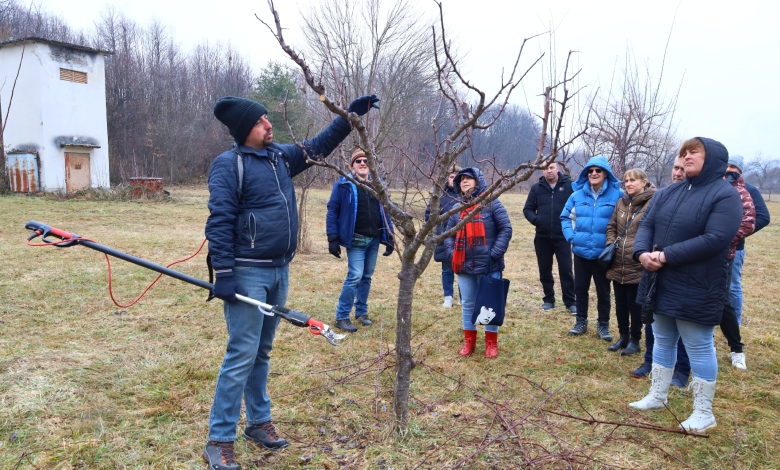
x=148, y=187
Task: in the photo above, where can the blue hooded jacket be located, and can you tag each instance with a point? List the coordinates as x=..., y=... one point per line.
x=693, y=222
x=586, y=215
x=498, y=231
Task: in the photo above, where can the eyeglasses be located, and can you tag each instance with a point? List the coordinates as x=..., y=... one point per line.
x=361, y=160
x=594, y=170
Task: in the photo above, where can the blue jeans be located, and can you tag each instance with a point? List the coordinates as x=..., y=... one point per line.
x=683, y=365
x=247, y=359
x=447, y=279
x=735, y=291
x=361, y=263
x=467, y=284
x=698, y=343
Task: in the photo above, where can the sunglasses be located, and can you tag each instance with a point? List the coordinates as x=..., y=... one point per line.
x=361, y=160
x=594, y=170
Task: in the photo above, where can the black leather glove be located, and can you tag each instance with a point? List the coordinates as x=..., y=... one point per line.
x=362, y=105
x=333, y=246
x=226, y=288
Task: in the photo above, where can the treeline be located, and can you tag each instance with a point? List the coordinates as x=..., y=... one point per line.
x=160, y=98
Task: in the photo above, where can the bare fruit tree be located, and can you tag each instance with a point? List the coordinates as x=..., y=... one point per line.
x=632, y=122
x=462, y=110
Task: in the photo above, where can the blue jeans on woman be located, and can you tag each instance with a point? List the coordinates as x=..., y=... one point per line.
x=361, y=262
x=247, y=359
x=467, y=284
x=735, y=289
x=698, y=343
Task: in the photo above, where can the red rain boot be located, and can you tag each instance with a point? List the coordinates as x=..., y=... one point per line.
x=471, y=341
x=491, y=344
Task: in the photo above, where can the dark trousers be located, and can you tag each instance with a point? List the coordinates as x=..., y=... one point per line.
x=584, y=270
x=683, y=364
x=545, y=250
x=729, y=324
x=627, y=311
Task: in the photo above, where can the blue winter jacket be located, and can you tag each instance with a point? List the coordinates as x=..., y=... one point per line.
x=586, y=215
x=693, y=223
x=342, y=213
x=260, y=228
x=498, y=231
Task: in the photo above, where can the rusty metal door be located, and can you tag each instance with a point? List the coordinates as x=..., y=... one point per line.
x=23, y=172
x=76, y=171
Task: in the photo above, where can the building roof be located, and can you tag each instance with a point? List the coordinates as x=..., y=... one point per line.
x=34, y=39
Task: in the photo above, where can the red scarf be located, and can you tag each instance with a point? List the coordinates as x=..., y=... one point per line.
x=472, y=234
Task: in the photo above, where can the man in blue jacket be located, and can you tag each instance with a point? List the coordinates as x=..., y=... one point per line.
x=252, y=231
x=762, y=220
x=584, y=221
x=543, y=209
x=356, y=221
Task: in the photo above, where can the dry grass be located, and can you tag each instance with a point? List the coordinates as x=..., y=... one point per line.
x=84, y=384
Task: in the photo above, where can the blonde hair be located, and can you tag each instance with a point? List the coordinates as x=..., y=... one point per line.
x=636, y=173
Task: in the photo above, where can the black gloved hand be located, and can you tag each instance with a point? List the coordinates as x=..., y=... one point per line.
x=333, y=246
x=389, y=250
x=362, y=105
x=226, y=288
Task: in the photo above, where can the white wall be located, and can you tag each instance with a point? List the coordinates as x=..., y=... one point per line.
x=45, y=107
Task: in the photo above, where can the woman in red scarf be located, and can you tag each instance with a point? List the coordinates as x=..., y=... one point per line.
x=477, y=249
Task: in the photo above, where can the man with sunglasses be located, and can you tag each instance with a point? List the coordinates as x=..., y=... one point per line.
x=357, y=222
x=584, y=221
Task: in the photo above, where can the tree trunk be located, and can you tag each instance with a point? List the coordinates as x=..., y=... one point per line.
x=403, y=348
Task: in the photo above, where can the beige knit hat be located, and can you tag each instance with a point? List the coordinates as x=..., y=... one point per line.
x=358, y=152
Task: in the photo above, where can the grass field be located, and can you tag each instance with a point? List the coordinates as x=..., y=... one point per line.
x=86, y=384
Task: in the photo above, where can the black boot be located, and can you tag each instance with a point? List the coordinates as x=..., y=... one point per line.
x=621, y=343
x=632, y=348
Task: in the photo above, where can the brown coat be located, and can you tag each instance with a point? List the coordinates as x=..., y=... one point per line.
x=625, y=270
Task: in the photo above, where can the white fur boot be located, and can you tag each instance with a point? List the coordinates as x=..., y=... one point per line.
x=659, y=388
x=702, y=418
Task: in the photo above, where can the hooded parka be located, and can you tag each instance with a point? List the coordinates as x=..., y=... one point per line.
x=693, y=222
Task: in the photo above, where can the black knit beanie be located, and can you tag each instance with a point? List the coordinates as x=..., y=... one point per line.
x=239, y=115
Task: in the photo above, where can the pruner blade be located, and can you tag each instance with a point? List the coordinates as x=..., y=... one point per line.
x=331, y=335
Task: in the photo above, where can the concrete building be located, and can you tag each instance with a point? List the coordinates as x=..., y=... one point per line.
x=56, y=138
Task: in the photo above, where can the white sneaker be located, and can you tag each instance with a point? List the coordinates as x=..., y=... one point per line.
x=738, y=360
x=447, y=302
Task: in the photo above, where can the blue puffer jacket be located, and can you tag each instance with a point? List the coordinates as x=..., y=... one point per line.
x=449, y=198
x=693, y=223
x=342, y=212
x=586, y=215
x=261, y=229
x=498, y=231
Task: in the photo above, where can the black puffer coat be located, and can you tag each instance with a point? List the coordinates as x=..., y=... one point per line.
x=693, y=223
x=498, y=231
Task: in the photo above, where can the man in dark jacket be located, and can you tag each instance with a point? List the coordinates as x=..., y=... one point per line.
x=252, y=231
x=762, y=220
x=357, y=222
x=543, y=209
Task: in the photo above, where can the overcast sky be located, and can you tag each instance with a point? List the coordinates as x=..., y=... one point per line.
x=724, y=59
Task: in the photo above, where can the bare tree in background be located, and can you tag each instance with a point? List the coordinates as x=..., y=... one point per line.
x=764, y=173
x=467, y=111
x=631, y=122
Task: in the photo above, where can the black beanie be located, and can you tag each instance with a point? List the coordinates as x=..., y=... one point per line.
x=239, y=114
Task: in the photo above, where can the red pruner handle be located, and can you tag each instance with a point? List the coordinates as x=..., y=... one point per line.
x=315, y=327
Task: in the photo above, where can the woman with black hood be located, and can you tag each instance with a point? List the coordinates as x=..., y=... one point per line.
x=477, y=250
x=685, y=238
